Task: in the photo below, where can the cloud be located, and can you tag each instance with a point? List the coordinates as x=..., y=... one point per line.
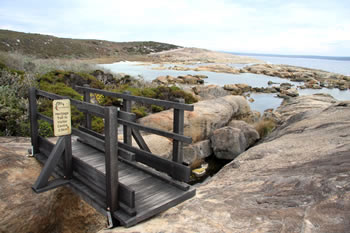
x=275, y=26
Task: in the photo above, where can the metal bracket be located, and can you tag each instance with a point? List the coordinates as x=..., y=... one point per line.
x=30, y=152
x=109, y=220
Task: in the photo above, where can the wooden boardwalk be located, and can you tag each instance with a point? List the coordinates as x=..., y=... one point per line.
x=128, y=185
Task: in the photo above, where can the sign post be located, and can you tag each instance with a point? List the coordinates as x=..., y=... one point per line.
x=62, y=117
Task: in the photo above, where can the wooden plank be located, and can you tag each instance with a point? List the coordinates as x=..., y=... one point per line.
x=158, y=207
x=89, y=139
x=159, y=175
x=178, y=128
x=68, y=170
x=83, y=151
x=33, y=120
x=92, y=175
x=121, y=152
x=126, y=115
x=91, y=108
x=111, y=149
x=131, y=175
x=45, y=118
x=161, y=193
x=87, y=116
x=127, y=155
x=50, y=165
x=163, y=133
x=91, y=132
x=126, y=129
x=139, y=140
x=140, y=99
x=175, y=170
x=52, y=184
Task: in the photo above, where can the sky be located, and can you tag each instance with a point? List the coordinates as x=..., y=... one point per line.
x=300, y=27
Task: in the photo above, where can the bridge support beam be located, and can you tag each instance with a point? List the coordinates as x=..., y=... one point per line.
x=43, y=184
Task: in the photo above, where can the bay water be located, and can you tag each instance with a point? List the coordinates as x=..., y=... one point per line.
x=262, y=101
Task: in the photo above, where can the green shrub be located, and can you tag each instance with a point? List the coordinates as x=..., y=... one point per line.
x=13, y=113
x=140, y=111
x=156, y=108
x=97, y=124
x=45, y=129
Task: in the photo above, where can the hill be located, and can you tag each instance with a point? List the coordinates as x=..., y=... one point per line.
x=45, y=46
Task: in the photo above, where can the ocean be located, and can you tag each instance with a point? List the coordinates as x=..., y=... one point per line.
x=339, y=65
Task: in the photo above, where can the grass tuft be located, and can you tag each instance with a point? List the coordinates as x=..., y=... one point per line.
x=264, y=127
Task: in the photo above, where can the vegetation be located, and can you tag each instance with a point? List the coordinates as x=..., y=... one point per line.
x=264, y=127
x=159, y=92
x=36, y=66
x=44, y=46
x=13, y=102
x=13, y=113
x=18, y=72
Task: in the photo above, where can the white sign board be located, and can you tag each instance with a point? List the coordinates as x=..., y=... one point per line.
x=62, y=117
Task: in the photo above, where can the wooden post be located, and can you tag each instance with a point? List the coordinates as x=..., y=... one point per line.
x=68, y=170
x=111, y=157
x=178, y=127
x=87, y=122
x=127, y=137
x=33, y=120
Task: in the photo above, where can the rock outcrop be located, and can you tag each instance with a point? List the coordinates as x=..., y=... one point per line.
x=207, y=116
x=22, y=210
x=208, y=92
x=312, y=77
x=249, y=131
x=219, y=68
x=186, y=79
x=197, y=151
x=228, y=142
x=297, y=180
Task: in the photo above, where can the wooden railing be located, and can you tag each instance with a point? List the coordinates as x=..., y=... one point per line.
x=110, y=147
x=131, y=128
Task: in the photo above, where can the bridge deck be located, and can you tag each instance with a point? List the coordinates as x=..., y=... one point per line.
x=152, y=193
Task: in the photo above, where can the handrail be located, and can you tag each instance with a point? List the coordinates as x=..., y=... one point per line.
x=81, y=105
x=134, y=125
x=178, y=118
x=141, y=99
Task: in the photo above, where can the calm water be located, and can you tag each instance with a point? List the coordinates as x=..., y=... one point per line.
x=262, y=101
x=336, y=66
x=145, y=70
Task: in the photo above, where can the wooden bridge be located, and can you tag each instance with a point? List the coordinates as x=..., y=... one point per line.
x=127, y=184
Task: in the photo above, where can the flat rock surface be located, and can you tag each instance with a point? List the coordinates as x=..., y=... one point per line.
x=297, y=180
x=22, y=210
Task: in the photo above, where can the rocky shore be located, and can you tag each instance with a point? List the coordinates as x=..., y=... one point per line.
x=296, y=180
x=195, y=55
x=221, y=63
x=312, y=78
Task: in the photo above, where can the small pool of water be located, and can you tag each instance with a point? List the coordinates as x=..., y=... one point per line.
x=263, y=101
x=214, y=166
